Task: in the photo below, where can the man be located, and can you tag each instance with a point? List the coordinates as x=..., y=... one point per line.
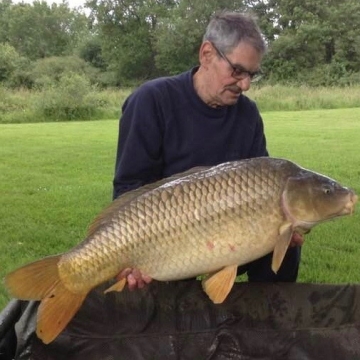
x=199, y=117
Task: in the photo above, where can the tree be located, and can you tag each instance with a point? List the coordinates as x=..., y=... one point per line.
x=126, y=29
x=9, y=58
x=4, y=20
x=267, y=17
x=314, y=38
x=143, y=39
x=50, y=30
x=13, y=66
x=91, y=52
x=178, y=36
x=316, y=42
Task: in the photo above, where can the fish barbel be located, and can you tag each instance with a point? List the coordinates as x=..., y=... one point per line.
x=207, y=220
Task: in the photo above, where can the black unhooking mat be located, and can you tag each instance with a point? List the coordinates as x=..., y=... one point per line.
x=176, y=320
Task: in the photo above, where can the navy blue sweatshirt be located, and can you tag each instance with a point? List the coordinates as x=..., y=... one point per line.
x=166, y=128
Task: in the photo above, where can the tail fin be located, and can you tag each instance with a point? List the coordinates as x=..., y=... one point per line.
x=56, y=311
x=33, y=281
x=40, y=281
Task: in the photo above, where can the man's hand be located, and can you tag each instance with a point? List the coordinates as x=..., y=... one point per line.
x=134, y=278
x=297, y=240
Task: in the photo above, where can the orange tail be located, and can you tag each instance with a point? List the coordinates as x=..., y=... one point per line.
x=40, y=281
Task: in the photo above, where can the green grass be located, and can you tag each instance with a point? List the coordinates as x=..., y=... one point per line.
x=55, y=178
x=327, y=141
x=290, y=98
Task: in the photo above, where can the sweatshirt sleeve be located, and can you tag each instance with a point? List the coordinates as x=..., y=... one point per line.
x=139, y=157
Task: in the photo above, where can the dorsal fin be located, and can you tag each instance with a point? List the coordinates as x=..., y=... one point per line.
x=107, y=213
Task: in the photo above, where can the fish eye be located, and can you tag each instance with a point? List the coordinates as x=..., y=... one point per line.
x=327, y=190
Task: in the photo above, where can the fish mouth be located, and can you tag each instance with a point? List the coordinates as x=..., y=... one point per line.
x=349, y=207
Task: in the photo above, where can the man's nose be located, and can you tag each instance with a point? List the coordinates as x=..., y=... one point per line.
x=244, y=84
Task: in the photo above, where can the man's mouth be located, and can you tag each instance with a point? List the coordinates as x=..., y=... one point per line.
x=234, y=90
x=237, y=93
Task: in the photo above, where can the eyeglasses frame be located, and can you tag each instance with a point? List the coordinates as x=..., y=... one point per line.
x=254, y=76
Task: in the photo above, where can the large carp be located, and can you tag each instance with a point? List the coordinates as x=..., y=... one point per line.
x=203, y=221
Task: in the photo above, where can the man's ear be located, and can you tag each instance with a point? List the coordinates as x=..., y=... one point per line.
x=206, y=53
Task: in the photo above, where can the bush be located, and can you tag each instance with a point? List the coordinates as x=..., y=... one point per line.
x=51, y=70
x=15, y=106
x=13, y=67
x=10, y=101
x=72, y=98
x=8, y=60
x=333, y=74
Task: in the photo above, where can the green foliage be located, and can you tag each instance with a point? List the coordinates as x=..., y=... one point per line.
x=50, y=70
x=91, y=52
x=71, y=98
x=9, y=101
x=51, y=30
x=27, y=106
x=126, y=42
x=8, y=60
x=16, y=106
x=14, y=68
x=333, y=74
x=4, y=19
x=126, y=29
x=295, y=97
x=23, y=106
x=315, y=44
x=267, y=17
x=308, y=40
x=178, y=36
x=143, y=39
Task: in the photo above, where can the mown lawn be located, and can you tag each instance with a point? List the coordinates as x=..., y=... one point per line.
x=55, y=178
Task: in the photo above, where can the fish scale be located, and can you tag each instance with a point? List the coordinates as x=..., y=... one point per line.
x=204, y=221
x=198, y=201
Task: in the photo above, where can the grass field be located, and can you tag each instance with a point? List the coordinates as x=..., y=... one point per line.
x=55, y=177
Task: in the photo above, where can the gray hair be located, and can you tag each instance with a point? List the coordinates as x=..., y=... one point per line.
x=227, y=29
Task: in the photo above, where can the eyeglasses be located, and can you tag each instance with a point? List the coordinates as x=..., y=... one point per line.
x=238, y=72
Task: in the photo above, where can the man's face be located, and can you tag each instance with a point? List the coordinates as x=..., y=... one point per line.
x=223, y=87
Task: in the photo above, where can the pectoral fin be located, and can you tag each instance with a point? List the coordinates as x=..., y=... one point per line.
x=285, y=234
x=219, y=284
x=118, y=286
